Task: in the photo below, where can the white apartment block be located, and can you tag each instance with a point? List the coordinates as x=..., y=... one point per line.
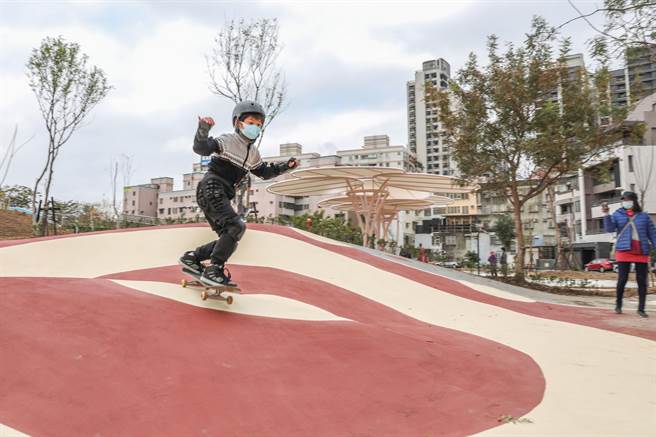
x=270, y=205
x=425, y=133
x=377, y=152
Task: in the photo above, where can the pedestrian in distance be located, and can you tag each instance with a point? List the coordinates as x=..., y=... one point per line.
x=503, y=260
x=422, y=254
x=233, y=157
x=635, y=231
x=492, y=259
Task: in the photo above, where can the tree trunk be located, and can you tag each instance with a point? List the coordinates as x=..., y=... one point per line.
x=114, y=176
x=36, y=189
x=44, y=217
x=519, y=236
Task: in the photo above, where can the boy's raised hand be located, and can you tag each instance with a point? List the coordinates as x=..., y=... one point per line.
x=207, y=120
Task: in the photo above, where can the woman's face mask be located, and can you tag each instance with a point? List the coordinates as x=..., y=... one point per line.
x=627, y=204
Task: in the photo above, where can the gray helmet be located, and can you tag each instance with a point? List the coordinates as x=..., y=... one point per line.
x=245, y=107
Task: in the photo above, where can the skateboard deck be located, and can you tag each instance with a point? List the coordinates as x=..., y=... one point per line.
x=209, y=291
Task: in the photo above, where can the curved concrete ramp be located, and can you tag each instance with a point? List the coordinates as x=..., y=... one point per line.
x=99, y=338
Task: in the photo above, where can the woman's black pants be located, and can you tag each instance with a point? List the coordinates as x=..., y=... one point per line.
x=641, y=270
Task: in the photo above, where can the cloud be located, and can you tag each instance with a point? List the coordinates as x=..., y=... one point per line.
x=343, y=130
x=346, y=65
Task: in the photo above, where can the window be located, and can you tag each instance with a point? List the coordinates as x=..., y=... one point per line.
x=134, y=193
x=633, y=187
x=161, y=210
x=631, y=163
x=150, y=203
x=133, y=203
x=161, y=200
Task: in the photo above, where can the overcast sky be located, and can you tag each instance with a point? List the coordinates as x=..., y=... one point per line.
x=346, y=66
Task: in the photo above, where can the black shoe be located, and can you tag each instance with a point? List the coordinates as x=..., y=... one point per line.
x=618, y=310
x=642, y=313
x=191, y=262
x=215, y=274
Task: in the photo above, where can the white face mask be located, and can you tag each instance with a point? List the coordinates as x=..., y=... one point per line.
x=627, y=204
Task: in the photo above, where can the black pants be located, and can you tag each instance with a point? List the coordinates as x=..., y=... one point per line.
x=215, y=203
x=641, y=270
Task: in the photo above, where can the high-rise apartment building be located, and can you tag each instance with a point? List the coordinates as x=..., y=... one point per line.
x=425, y=134
x=637, y=79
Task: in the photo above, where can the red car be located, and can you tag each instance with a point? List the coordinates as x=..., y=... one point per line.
x=600, y=264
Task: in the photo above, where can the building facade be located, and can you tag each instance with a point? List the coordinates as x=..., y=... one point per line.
x=377, y=152
x=425, y=133
x=636, y=80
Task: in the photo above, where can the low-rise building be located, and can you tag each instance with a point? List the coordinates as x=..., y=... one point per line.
x=377, y=152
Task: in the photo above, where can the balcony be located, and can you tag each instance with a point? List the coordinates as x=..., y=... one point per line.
x=613, y=204
x=604, y=187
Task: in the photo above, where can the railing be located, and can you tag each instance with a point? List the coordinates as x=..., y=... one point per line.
x=595, y=231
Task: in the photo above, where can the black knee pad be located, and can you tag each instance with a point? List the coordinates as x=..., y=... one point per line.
x=235, y=228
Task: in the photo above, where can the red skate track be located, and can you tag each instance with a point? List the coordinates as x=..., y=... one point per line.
x=86, y=357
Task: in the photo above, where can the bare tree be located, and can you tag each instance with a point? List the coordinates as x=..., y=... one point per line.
x=126, y=169
x=644, y=162
x=242, y=66
x=113, y=175
x=629, y=25
x=66, y=91
x=9, y=154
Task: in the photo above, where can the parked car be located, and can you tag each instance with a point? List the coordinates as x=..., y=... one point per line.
x=450, y=264
x=600, y=265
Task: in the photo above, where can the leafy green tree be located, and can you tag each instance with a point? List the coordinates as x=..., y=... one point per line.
x=471, y=259
x=504, y=228
x=524, y=116
x=66, y=91
x=629, y=26
x=16, y=195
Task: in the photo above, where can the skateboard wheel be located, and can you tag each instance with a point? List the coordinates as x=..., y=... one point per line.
x=229, y=300
x=203, y=295
x=183, y=282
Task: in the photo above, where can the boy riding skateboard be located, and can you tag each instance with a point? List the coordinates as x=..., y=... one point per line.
x=233, y=157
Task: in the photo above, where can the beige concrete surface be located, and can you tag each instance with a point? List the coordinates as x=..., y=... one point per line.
x=263, y=305
x=319, y=238
x=598, y=382
x=6, y=431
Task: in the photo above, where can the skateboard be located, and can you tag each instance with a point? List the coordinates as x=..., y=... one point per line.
x=209, y=291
